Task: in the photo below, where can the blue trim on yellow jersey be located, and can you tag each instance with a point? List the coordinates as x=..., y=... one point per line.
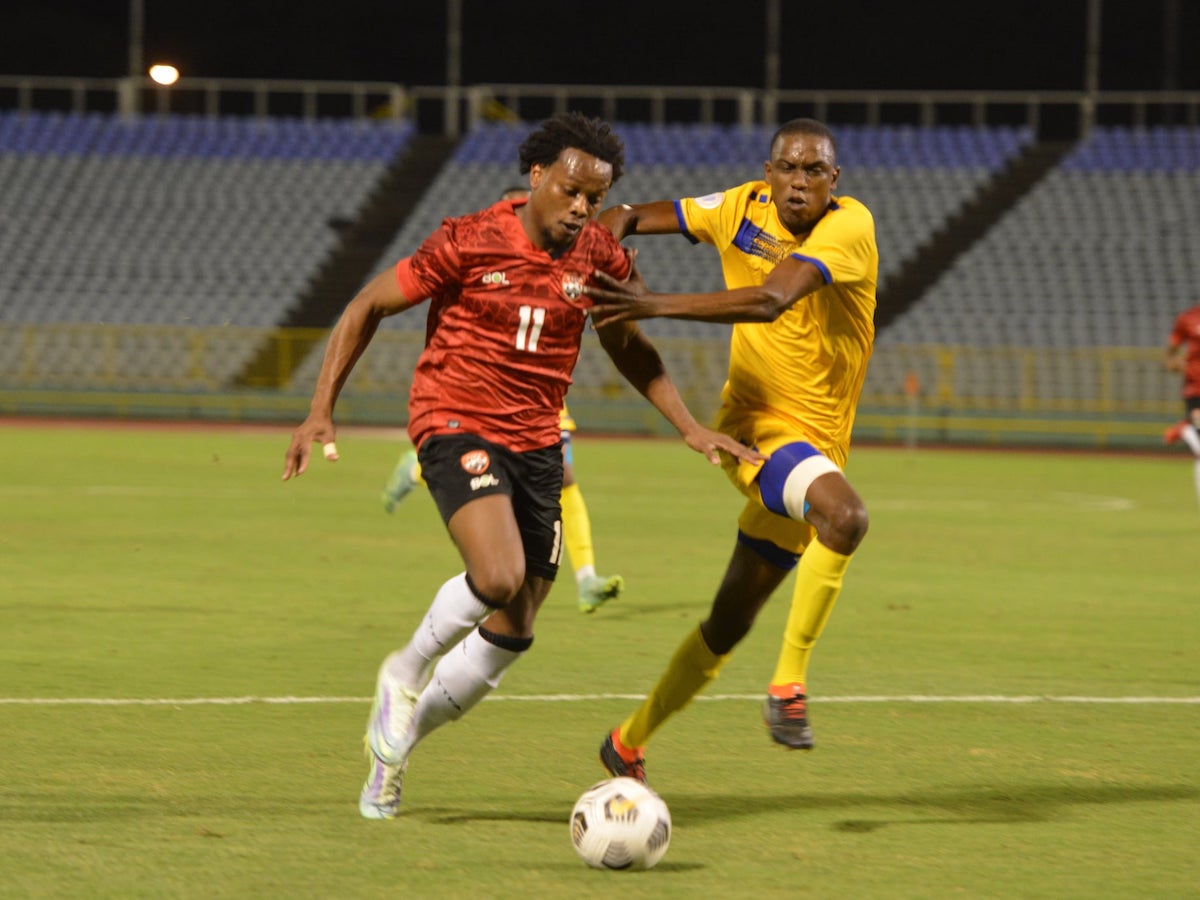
x=816, y=262
x=683, y=229
x=754, y=241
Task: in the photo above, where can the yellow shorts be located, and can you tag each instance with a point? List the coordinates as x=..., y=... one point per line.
x=766, y=433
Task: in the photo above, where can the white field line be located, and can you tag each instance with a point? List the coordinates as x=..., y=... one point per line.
x=586, y=698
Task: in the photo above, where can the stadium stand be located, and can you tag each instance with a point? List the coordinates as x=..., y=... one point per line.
x=179, y=220
x=1099, y=255
x=160, y=252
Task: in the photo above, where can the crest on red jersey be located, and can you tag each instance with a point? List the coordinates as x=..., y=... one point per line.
x=572, y=285
x=475, y=462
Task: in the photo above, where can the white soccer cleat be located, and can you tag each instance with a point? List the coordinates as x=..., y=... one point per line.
x=380, y=797
x=391, y=714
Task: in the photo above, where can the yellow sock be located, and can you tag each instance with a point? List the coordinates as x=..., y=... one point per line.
x=818, y=583
x=690, y=670
x=577, y=528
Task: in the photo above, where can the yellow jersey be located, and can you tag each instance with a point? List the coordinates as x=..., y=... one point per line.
x=805, y=370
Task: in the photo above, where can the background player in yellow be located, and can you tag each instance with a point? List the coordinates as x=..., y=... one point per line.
x=801, y=267
x=594, y=589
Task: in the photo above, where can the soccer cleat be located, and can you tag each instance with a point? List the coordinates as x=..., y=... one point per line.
x=391, y=714
x=401, y=482
x=596, y=590
x=630, y=763
x=786, y=715
x=380, y=797
x=1174, y=433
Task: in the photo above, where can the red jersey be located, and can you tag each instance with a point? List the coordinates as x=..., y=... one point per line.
x=504, y=330
x=1187, y=331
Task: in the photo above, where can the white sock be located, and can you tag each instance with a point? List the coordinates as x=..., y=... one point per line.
x=454, y=612
x=583, y=573
x=1191, y=438
x=462, y=678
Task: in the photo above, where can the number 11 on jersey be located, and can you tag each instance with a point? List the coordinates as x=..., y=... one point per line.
x=527, y=337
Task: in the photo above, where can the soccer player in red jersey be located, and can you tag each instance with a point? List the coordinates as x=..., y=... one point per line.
x=502, y=339
x=1182, y=354
x=594, y=590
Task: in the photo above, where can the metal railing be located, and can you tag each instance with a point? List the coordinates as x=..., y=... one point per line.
x=452, y=110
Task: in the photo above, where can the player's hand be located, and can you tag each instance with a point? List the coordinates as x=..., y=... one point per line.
x=311, y=430
x=713, y=443
x=619, y=301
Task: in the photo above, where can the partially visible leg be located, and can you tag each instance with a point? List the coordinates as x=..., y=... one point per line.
x=457, y=608
x=512, y=550
x=405, y=477
x=463, y=677
x=594, y=590
x=485, y=531
x=1191, y=436
x=804, y=485
x=486, y=534
x=748, y=583
x=473, y=669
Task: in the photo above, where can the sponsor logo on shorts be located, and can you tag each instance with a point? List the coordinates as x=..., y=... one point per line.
x=572, y=285
x=475, y=462
x=482, y=481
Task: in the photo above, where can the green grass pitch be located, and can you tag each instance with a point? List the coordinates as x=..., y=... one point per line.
x=964, y=745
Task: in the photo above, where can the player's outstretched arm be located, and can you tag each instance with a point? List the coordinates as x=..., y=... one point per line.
x=645, y=218
x=620, y=301
x=637, y=360
x=350, y=337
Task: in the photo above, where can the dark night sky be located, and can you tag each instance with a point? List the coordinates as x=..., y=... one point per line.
x=929, y=44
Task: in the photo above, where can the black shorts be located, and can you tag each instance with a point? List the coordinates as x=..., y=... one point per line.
x=1191, y=406
x=459, y=468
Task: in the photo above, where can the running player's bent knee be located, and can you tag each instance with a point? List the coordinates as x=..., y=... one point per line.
x=785, y=478
x=847, y=526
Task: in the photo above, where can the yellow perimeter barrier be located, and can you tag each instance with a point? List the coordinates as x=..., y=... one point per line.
x=1101, y=396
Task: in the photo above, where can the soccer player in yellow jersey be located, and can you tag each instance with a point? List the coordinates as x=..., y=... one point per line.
x=800, y=265
x=594, y=590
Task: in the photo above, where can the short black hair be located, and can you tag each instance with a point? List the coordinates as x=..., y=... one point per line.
x=573, y=129
x=805, y=126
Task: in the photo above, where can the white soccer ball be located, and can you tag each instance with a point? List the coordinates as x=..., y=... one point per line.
x=620, y=823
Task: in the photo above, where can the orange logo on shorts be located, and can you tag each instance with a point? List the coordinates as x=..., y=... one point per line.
x=475, y=461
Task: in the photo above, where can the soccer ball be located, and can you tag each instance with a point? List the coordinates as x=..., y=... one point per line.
x=620, y=823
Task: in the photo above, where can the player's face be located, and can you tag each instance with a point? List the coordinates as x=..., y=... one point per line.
x=566, y=195
x=802, y=173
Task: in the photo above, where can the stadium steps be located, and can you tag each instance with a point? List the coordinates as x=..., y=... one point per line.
x=350, y=264
x=963, y=229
